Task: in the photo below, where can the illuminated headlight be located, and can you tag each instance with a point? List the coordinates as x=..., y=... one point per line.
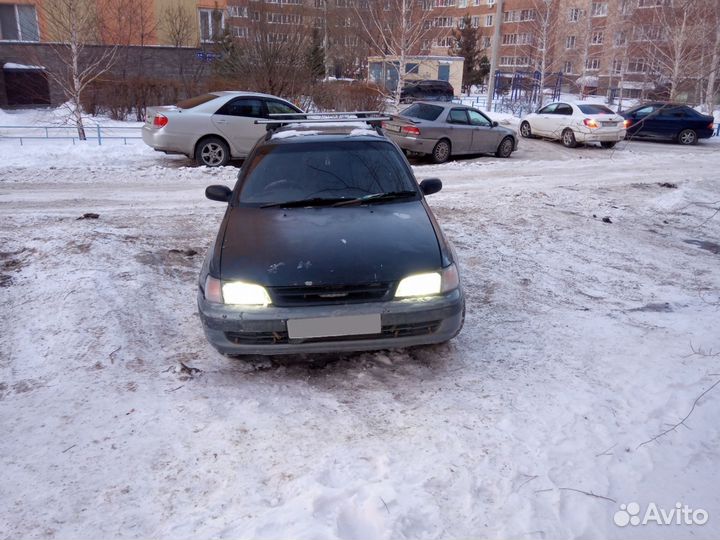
x=429, y=284
x=235, y=292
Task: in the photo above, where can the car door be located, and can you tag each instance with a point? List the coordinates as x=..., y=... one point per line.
x=560, y=119
x=459, y=130
x=485, y=139
x=541, y=124
x=644, y=122
x=236, y=121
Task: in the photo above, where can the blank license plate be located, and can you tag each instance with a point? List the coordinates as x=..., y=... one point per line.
x=352, y=325
x=609, y=124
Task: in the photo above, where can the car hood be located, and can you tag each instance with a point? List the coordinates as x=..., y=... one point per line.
x=328, y=246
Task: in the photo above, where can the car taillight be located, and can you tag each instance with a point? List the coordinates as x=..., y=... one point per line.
x=410, y=130
x=627, y=123
x=711, y=126
x=591, y=123
x=160, y=120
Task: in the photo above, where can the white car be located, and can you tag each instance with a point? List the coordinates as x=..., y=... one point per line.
x=212, y=128
x=574, y=123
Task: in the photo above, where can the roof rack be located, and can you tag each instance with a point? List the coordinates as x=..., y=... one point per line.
x=276, y=121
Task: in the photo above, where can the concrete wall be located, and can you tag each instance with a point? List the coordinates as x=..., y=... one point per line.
x=161, y=63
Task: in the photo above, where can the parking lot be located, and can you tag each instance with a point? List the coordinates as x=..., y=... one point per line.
x=592, y=281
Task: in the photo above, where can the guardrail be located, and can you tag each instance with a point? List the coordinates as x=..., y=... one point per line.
x=92, y=133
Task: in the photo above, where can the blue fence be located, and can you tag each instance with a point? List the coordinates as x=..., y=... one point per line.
x=97, y=134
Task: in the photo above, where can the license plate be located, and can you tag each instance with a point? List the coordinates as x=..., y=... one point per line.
x=391, y=127
x=351, y=325
x=609, y=124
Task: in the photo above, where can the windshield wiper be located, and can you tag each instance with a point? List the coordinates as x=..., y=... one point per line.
x=313, y=201
x=390, y=195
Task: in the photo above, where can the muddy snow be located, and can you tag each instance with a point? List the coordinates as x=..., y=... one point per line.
x=592, y=329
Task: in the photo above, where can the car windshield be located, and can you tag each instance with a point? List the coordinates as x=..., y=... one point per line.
x=316, y=171
x=423, y=111
x=195, y=101
x=595, y=109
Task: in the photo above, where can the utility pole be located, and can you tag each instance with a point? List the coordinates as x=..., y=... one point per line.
x=495, y=56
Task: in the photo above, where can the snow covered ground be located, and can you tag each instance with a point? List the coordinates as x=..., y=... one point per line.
x=533, y=423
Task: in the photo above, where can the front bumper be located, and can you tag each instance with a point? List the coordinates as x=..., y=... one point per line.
x=263, y=330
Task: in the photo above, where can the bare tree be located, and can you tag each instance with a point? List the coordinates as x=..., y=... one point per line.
x=272, y=58
x=673, y=41
x=544, y=34
x=591, y=50
x=395, y=29
x=713, y=25
x=177, y=23
x=74, y=28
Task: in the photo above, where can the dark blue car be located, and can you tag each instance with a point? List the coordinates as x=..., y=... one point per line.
x=667, y=121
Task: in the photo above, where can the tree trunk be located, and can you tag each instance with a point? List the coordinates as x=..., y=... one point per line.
x=712, y=77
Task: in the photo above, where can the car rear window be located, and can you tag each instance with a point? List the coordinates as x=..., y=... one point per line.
x=423, y=111
x=595, y=109
x=195, y=101
x=304, y=170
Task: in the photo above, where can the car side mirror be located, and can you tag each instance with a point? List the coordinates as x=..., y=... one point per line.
x=495, y=124
x=218, y=193
x=430, y=186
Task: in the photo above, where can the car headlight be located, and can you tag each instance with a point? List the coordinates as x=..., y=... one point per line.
x=235, y=292
x=429, y=284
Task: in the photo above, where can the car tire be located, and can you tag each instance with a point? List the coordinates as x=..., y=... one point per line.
x=568, y=138
x=687, y=137
x=212, y=152
x=608, y=144
x=441, y=152
x=505, y=148
x=526, y=130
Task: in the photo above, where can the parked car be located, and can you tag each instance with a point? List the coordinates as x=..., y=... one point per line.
x=214, y=127
x=442, y=130
x=328, y=245
x=427, y=90
x=574, y=123
x=668, y=121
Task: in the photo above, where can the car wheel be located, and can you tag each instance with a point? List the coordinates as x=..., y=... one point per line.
x=212, y=152
x=441, y=152
x=506, y=148
x=687, y=136
x=525, y=130
x=568, y=138
x=608, y=144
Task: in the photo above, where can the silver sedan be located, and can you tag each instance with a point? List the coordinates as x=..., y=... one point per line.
x=442, y=130
x=212, y=128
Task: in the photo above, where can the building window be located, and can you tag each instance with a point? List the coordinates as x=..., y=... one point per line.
x=427, y=5
x=592, y=64
x=475, y=21
x=444, y=3
x=211, y=24
x=511, y=16
x=653, y=3
x=462, y=3
x=597, y=38
x=239, y=31
x=570, y=42
x=617, y=66
x=490, y=2
x=444, y=22
x=486, y=42
x=527, y=15
x=637, y=65
x=574, y=14
x=568, y=67
x=599, y=9
x=237, y=11
x=18, y=22
x=509, y=39
x=412, y=68
x=620, y=39
x=488, y=20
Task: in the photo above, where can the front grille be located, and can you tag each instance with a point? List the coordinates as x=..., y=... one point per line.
x=329, y=294
x=388, y=331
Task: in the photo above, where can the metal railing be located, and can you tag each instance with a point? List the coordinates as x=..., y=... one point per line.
x=96, y=133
